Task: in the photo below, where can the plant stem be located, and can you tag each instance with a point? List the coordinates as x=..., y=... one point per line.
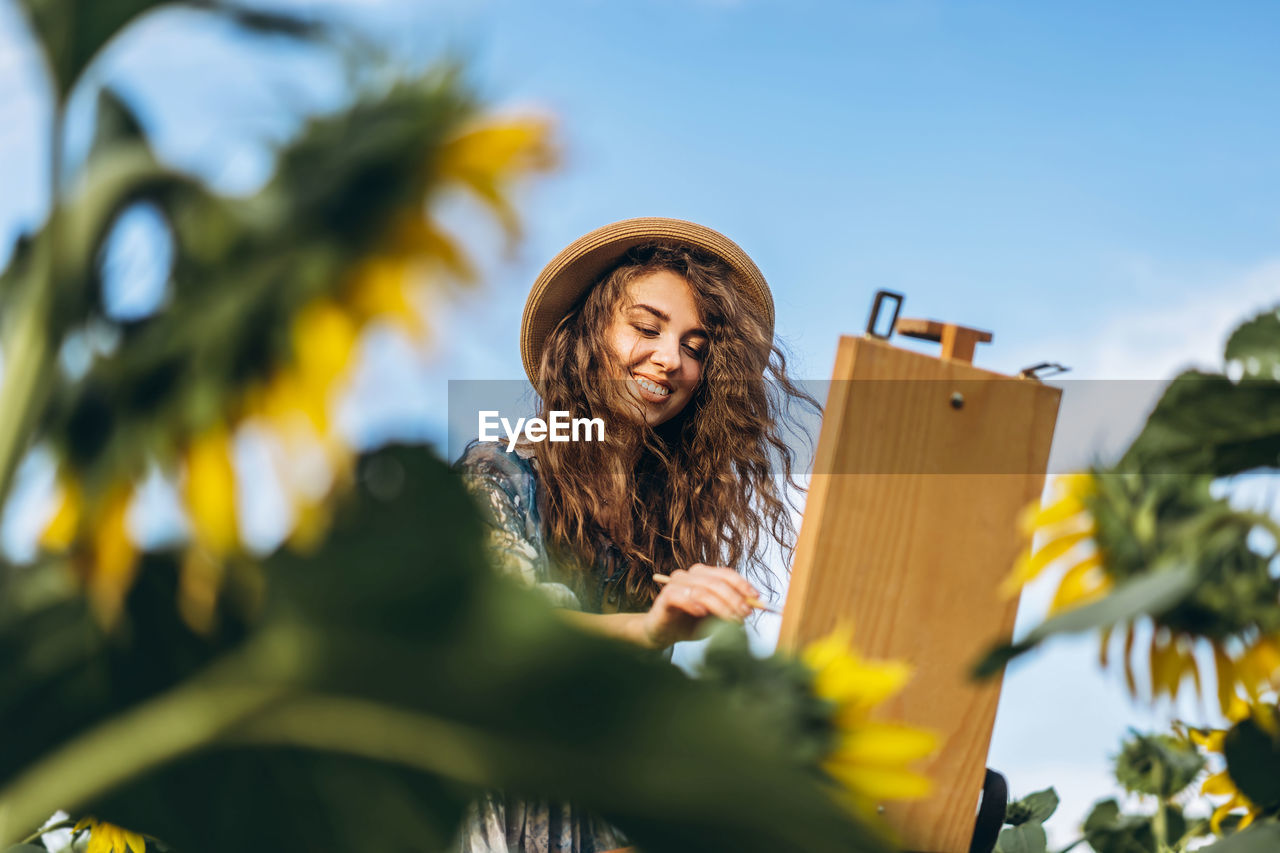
x=1158, y=822
x=119, y=749
x=53, y=827
x=28, y=350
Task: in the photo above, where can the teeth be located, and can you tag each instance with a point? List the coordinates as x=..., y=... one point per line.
x=651, y=387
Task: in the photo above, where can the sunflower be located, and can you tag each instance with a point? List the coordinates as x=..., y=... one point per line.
x=868, y=758
x=1110, y=529
x=108, y=838
x=1221, y=784
x=291, y=406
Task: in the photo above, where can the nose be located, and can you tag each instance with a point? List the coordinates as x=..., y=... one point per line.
x=666, y=353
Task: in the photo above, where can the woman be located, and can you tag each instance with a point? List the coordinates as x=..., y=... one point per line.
x=664, y=330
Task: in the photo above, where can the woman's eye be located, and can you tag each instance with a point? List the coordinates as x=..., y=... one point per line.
x=696, y=352
x=646, y=331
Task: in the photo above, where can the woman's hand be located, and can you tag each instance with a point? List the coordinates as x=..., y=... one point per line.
x=690, y=597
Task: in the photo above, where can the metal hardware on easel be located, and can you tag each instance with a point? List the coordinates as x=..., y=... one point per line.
x=873, y=319
x=957, y=400
x=1041, y=370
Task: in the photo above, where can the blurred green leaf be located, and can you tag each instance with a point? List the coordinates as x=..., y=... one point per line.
x=1025, y=838
x=1256, y=345
x=1258, y=838
x=1253, y=757
x=1206, y=424
x=1038, y=806
x=397, y=674
x=1107, y=830
x=72, y=32
x=116, y=122
x=1150, y=593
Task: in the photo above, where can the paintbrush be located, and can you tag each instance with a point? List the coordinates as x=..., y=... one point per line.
x=754, y=602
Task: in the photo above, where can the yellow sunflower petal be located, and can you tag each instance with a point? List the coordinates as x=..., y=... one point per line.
x=134, y=841
x=1104, y=646
x=1225, y=670
x=199, y=580
x=486, y=156
x=100, y=840
x=1035, y=516
x=61, y=530
x=1237, y=709
x=311, y=520
x=114, y=555
x=1219, y=784
x=1211, y=741
x=861, y=685
x=822, y=651
x=324, y=338
x=422, y=240
x=211, y=490
x=1029, y=566
x=882, y=783
x=1191, y=665
x=886, y=744
x=1219, y=814
x=1084, y=582
x=1166, y=667
x=1258, y=666
x=1129, y=680
x=379, y=289
x=1156, y=666
x=1080, y=484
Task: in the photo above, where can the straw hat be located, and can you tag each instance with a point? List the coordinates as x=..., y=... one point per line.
x=583, y=263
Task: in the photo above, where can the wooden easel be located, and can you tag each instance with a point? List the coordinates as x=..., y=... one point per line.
x=922, y=467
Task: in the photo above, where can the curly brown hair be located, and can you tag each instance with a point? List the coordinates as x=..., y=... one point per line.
x=699, y=488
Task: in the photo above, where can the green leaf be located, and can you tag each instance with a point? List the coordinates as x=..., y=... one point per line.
x=116, y=122
x=1206, y=424
x=1253, y=762
x=1256, y=346
x=1258, y=838
x=1148, y=594
x=1026, y=838
x=391, y=676
x=1042, y=804
x=1107, y=830
x=72, y=32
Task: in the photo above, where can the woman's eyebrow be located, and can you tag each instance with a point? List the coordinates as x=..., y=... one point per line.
x=665, y=317
x=661, y=315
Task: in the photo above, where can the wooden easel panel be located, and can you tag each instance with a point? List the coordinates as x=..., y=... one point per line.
x=909, y=527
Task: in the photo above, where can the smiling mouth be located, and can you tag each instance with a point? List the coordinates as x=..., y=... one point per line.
x=650, y=390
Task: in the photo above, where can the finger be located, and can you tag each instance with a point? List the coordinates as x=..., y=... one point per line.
x=683, y=598
x=728, y=576
x=724, y=584
x=721, y=598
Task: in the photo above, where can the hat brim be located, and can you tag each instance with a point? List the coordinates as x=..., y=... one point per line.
x=581, y=265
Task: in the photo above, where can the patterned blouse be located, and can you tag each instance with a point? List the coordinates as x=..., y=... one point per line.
x=505, y=485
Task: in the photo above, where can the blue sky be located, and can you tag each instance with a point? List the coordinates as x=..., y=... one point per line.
x=1094, y=182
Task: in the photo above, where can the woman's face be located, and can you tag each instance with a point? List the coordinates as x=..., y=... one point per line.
x=658, y=339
